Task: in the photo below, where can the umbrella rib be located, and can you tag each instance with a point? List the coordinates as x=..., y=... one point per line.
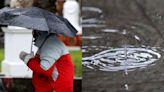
x=46, y=23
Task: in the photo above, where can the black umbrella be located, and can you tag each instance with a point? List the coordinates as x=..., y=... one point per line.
x=36, y=19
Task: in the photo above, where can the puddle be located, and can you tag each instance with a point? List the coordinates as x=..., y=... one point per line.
x=110, y=30
x=86, y=49
x=91, y=37
x=92, y=17
x=129, y=55
x=93, y=25
x=93, y=9
x=137, y=38
x=114, y=59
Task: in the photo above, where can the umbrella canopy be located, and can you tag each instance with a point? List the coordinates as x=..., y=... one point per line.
x=36, y=19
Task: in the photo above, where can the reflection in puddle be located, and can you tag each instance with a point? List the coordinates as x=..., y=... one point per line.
x=86, y=49
x=92, y=21
x=92, y=17
x=93, y=9
x=137, y=38
x=90, y=37
x=114, y=59
x=110, y=30
x=93, y=25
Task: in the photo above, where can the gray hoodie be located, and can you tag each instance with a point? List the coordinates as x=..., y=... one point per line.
x=51, y=50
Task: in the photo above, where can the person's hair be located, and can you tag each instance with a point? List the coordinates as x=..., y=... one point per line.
x=46, y=4
x=21, y=3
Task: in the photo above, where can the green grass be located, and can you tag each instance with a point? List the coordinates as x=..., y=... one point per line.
x=77, y=60
x=76, y=56
x=1, y=56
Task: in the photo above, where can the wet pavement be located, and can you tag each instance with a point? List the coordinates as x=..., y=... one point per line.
x=123, y=45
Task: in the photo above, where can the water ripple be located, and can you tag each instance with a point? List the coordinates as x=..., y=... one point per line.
x=114, y=59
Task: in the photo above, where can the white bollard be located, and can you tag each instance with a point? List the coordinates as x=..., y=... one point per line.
x=71, y=11
x=16, y=40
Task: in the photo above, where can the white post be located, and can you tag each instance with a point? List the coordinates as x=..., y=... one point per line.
x=71, y=11
x=16, y=40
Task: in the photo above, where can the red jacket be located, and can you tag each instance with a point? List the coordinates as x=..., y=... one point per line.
x=43, y=81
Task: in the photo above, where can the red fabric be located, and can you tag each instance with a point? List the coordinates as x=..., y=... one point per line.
x=42, y=80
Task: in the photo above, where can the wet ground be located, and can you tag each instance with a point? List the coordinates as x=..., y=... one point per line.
x=130, y=31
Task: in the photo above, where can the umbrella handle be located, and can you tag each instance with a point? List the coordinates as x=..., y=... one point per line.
x=31, y=45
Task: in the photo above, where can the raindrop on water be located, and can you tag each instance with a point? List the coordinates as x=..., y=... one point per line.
x=126, y=87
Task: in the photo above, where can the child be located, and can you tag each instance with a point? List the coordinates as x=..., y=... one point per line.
x=52, y=65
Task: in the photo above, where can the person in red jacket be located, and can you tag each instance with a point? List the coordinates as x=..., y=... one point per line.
x=52, y=67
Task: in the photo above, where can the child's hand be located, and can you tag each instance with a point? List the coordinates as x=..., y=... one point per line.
x=25, y=57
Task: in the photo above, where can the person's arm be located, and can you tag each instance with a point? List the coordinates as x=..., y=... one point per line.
x=33, y=62
x=34, y=65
